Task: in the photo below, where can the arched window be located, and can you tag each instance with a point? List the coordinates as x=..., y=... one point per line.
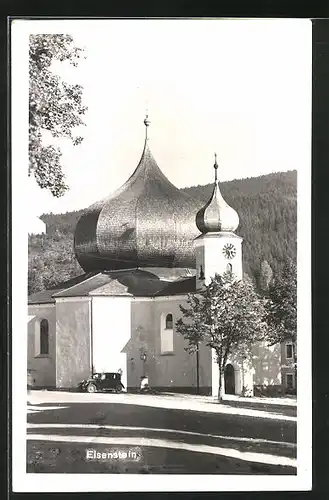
x=167, y=334
x=169, y=322
x=44, y=337
x=229, y=268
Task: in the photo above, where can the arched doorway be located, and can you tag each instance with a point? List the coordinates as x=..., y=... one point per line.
x=229, y=379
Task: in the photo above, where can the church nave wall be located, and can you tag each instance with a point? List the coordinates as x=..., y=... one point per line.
x=73, y=341
x=42, y=365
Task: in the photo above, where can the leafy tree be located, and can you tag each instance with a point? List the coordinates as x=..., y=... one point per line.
x=54, y=106
x=281, y=308
x=227, y=316
x=50, y=262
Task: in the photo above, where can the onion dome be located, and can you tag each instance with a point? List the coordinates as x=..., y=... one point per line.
x=217, y=216
x=148, y=222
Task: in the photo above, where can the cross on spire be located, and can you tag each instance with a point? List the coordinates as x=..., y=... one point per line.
x=216, y=166
x=146, y=123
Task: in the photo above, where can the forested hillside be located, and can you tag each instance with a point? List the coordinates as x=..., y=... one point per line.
x=267, y=206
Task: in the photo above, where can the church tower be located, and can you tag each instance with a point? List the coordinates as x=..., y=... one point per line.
x=218, y=248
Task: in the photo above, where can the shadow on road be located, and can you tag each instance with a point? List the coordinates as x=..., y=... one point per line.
x=71, y=458
x=290, y=411
x=239, y=431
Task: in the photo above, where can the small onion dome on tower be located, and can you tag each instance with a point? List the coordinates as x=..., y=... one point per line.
x=217, y=216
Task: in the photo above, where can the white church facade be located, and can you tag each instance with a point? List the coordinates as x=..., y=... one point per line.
x=143, y=249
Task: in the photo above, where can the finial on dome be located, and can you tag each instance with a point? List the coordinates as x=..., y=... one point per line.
x=216, y=166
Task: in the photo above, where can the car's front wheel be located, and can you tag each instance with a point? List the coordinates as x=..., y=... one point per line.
x=91, y=388
x=118, y=388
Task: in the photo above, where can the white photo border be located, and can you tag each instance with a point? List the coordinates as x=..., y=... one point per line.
x=32, y=482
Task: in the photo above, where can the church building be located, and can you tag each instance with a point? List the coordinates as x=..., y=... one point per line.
x=142, y=249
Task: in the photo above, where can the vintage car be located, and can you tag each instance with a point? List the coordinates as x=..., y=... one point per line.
x=100, y=382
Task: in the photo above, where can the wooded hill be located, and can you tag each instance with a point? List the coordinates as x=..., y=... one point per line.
x=267, y=206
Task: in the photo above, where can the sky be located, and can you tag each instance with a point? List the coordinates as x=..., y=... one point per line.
x=240, y=88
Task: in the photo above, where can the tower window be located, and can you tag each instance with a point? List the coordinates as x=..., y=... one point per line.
x=44, y=337
x=169, y=322
x=229, y=268
x=201, y=275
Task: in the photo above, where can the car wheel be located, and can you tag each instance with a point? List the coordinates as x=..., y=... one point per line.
x=118, y=388
x=91, y=388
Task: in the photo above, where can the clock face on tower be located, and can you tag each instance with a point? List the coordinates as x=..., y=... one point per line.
x=229, y=251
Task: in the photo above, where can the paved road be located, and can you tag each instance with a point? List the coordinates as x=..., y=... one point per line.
x=151, y=434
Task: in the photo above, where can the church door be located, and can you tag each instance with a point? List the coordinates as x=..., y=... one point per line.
x=229, y=379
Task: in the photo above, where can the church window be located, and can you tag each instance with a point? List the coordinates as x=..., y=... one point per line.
x=167, y=334
x=44, y=337
x=169, y=323
x=289, y=351
x=289, y=381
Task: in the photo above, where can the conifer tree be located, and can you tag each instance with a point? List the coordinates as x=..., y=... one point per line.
x=265, y=276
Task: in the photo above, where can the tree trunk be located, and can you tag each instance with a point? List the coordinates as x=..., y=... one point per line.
x=221, y=391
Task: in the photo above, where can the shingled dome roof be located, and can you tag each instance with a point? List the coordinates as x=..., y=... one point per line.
x=146, y=222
